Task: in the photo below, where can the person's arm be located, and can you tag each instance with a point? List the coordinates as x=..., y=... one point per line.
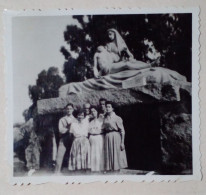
x=72, y=128
x=130, y=54
x=103, y=127
x=62, y=128
x=96, y=73
x=122, y=132
x=86, y=130
x=89, y=129
x=108, y=47
x=54, y=148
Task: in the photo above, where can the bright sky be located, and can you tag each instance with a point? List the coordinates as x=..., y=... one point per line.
x=36, y=42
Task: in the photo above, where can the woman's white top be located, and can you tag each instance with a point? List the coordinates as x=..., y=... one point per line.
x=79, y=129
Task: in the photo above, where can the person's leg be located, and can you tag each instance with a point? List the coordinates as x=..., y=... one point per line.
x=54, y=149
x=60, y=155
x=33, y=163
x=28, y=157
x=127, y=65
x=136, y=65
x=36, y=157
x=117, y=67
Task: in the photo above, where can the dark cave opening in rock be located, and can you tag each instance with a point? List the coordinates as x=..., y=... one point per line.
x=142, y=136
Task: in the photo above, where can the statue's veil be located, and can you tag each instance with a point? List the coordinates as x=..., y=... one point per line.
x=119, y=41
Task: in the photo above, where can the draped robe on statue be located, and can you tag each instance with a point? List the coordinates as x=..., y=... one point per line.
x=117, y=80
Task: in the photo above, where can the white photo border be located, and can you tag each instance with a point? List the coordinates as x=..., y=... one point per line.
x=196, y=175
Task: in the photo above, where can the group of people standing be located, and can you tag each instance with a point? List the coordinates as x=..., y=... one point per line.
x=95, y=139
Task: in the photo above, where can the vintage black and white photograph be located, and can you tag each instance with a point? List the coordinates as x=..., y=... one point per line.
x=103, y=95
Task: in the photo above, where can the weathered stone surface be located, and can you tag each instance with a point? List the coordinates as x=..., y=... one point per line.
x=20, y=132
x=176, y=139
x=22, y=135
x=124, y=88
x=144, y=94
x=19, y=166
x=125, y=79
x=21, y=141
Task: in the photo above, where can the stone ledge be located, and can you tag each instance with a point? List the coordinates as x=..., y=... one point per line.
x=149, y=93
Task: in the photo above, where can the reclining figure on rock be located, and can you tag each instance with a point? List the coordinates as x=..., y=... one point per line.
x=115, y=57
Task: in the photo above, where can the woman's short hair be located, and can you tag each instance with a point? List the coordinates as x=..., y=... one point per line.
x=69, y=104
x=102, y=99
x=80, y=111
x=111, y=103
x=101, y=112
x=93, y=107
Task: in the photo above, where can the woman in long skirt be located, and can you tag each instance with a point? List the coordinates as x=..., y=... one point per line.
x=96, y=139
x=80, y=151
x=115, y=155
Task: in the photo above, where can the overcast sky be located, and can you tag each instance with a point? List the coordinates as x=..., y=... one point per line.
x=36, y=42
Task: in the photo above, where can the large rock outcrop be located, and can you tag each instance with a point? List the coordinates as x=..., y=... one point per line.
x=145, y=86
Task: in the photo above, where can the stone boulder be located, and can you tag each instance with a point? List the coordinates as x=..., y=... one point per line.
x=149, y=93
x=176, y=139
x=21, y=140
x=21, y=134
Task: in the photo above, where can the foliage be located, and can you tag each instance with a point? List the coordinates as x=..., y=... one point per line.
x=161, y=39
x=47, y=85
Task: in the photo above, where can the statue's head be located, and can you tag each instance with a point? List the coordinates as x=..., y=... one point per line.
x=111, y=34
x=101, y=48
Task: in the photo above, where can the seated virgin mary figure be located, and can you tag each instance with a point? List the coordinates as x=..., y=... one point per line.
x=115, y=57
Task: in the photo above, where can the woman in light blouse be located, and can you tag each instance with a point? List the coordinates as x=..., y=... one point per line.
x=96, y=139
x=80, y=151
x=115, y=155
